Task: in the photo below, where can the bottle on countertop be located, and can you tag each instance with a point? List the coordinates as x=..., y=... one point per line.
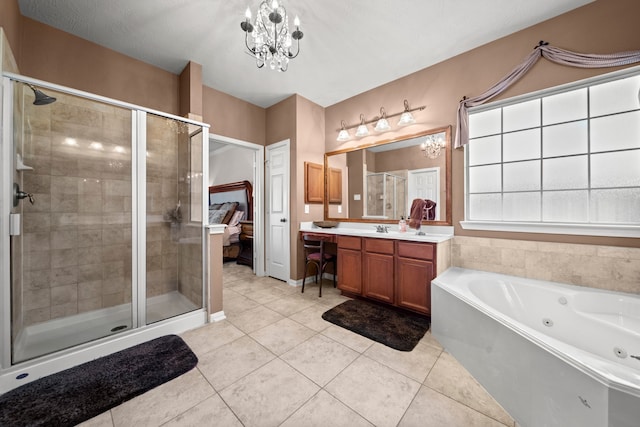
x=402, y=225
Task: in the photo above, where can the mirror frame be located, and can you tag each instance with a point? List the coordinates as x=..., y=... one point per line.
x=447, y=151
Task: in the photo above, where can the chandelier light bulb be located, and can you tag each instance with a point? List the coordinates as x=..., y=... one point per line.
x=272, y=41
x=432, y=146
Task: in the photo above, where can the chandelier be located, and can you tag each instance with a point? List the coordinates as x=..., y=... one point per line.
x=432, y=146
x=270, y=40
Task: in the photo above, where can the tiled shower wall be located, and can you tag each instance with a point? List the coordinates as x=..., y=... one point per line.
x=77, y=235
x=163, y=174
x=174, y=250
x=603, y=267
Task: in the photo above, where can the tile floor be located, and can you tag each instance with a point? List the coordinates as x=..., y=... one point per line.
x=275, y=362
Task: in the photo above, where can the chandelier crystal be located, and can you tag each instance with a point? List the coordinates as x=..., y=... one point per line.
x=432, y=146
x=271, y=42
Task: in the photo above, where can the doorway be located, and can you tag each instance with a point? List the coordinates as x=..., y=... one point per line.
x=247, y=164
x=424, y=184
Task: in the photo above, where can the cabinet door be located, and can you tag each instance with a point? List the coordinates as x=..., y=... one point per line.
x=350, y=270
x=378, y=277
x=413, y=286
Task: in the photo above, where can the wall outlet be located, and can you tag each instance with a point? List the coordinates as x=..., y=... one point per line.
x=306, y=209
x=356, y=197
x=339, y=208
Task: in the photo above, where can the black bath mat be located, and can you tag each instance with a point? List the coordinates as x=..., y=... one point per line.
x=84, y=391
x=394, y=328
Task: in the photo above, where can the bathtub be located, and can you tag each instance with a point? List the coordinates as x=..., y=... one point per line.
x=551, y=354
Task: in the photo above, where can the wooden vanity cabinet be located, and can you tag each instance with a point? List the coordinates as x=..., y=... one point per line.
x=415, y=268
x=396, y=272
x=350, y=264
x=378, y=280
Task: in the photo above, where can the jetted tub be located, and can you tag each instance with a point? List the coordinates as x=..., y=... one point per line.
x=551, y=354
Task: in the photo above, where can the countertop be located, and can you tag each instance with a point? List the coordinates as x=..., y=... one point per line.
x=433, y=234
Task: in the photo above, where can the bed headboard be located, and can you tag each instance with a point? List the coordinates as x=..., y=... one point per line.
x=241, y=192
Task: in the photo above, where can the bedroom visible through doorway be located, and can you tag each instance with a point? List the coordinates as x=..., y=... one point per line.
x=231, y=161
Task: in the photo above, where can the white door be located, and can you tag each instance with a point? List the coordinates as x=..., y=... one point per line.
x=424, y=184
x=278, y=224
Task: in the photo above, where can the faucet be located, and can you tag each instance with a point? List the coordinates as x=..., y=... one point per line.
x=382, y=228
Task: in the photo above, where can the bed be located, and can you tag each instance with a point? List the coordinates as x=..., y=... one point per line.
x=229, y=204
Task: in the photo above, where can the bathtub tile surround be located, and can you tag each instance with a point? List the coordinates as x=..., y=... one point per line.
x=316, y=382
x=602, y=267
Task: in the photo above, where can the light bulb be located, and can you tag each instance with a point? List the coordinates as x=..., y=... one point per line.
x=296, y=21
x=362, y=130
x=247, y=14
x=382, y=125
x=406, y=119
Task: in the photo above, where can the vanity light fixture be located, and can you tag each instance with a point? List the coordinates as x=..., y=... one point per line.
x=382, y=122
x=343, y=135
x=362, y=128
x=432, y=146
x=406, y=118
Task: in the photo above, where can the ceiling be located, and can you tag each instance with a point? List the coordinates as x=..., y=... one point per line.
x=349, y=46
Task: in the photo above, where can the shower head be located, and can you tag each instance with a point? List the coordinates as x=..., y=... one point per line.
x=41, y=98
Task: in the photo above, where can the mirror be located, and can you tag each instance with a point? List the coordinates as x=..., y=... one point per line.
x=379, y=181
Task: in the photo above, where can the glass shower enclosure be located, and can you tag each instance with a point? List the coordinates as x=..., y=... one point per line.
x=386, y=195
x=103, y=204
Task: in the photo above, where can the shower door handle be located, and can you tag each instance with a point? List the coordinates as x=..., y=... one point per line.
x=19, y=195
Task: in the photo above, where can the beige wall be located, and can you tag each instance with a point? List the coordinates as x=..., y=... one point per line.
x=10, y=22
x=191, y=91
x=600, y=27
x=281, y=125
x=233, y=117
x=52, y=55
x=309, y=148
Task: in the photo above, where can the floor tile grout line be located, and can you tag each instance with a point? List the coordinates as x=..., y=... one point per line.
x=467, y=406
x=421, y=384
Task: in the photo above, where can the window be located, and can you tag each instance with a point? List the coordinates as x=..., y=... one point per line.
x=564, y=160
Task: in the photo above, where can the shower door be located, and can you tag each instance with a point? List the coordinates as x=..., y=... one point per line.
x=174, y=241
x=107, y=235
x=71, y=254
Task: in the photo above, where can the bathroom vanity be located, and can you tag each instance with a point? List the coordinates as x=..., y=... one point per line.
x=393, y=268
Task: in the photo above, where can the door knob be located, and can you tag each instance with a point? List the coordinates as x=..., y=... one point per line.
x=283, y=220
